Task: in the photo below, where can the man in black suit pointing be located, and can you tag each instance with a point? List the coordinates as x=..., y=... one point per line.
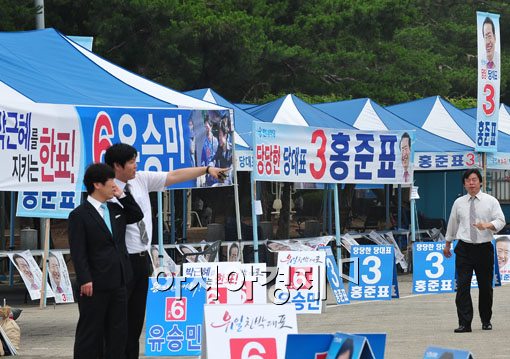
x=96, y=232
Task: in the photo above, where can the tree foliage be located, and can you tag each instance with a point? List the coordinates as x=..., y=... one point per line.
x=252, y=50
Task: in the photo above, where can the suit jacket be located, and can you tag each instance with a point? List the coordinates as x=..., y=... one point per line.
x=99, y=256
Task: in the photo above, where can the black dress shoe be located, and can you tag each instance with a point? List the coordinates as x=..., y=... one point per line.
x=462, y=329
x=486, y=326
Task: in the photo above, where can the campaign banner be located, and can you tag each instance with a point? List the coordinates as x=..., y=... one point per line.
x=30, y=273
x=248, y=331
x=244, y=160
x=498, y=161
x=489, y=77
x=503, y=257
x=174, y=317
x=432, y=273
x=438, y=352
x=349, y=346
x=301, y=280
x=166, y=139
x=47, y=204
x=334, y=277
x=40, y=148
x=314, y=346
x=165, y=265
x=445, y=161
x=376, y=272
x=230, y=282
x=287, y=153
x=59, y=278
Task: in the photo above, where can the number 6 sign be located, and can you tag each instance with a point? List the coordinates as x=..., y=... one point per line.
x=253, y=348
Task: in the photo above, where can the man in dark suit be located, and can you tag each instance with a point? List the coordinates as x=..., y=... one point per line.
x=96, y=232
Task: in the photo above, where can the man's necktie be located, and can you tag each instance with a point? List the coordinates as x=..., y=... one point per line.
x=472, y=219
x=406, y=176
x=106, y=216
x=490, y=64
x=144, y=238
x=59, y=290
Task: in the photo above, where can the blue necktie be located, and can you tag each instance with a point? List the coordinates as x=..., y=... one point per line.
x=106, y=216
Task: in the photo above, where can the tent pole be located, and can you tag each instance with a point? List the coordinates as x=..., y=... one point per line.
x=160, y=226
x=254, y=219
x=387, y=192
x=324, y=207
x=44, y=281
x=184, y=214
x=172, y=216
x=399, y=212
x=337, y=230
x=11, y=233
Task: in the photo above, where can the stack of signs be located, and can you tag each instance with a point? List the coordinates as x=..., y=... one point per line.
x=437, y=352
x=377, y=273
x=432, y=273
x=301, y=280
x=230, y=282
x=30, y=273
x=248, y=331
x=349, y=346
x=174, y=317
x=335, y=277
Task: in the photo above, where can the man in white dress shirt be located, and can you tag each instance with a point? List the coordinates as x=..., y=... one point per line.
x=122, y=158
x=474, y=219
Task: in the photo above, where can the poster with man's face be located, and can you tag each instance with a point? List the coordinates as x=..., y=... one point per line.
x=30, y=273
x=59, y=278
x=503, y=257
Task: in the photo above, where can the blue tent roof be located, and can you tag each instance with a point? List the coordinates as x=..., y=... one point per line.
x=439, y=117
x=44, y=66
x=242, y=119
x=366, y=114
x=291, y=110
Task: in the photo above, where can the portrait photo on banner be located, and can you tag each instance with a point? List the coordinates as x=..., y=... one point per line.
x=30, y=273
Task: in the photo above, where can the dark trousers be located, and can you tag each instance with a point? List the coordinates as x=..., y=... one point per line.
x=480, y=258
x=103, y=316
x=137, y=298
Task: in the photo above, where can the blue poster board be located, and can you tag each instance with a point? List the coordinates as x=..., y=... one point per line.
x=307, y=346
x=354, y=346
x=174, y=320
x=433, y=273
x=47, y=204
x=438, y=352
x=376, y=268
x=334, y=278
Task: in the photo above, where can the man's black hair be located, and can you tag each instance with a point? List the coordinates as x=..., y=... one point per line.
x=406, y=135
x=469, y=172
x=488, y=20
x=97, y=173
x=119, y=153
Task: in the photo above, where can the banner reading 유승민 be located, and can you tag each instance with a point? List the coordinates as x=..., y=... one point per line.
x=166, y=139
x=489, y=75
x=305, y=154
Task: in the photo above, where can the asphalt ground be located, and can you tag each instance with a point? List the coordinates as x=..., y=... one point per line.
x=412, y=323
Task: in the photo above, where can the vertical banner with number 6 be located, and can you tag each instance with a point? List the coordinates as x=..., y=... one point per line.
x=489, y=75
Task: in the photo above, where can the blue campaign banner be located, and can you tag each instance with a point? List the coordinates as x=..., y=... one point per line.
x=349, y=346
x=489, y=77
x=166, y=139
x=174, y=317
x=376, y=267
x=432, y=273
x=47, y=204
x=334, y=278
x=287, y=153
x=377, y=343
x=438, y=352
x=444, y=161
x=308, y=346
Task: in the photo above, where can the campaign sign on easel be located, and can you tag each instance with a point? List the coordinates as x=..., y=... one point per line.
x=248, y=331
x=349, y=346
x=230, y=282
x=314, y=346
x=376, y=273
x=30, y=273
x=437, y=352
x=175, y=313
x=334, y=278
x=301, y=280
x=432, y=273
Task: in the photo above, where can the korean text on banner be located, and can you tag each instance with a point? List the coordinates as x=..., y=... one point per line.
x=489, y=74
x=306, y=154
